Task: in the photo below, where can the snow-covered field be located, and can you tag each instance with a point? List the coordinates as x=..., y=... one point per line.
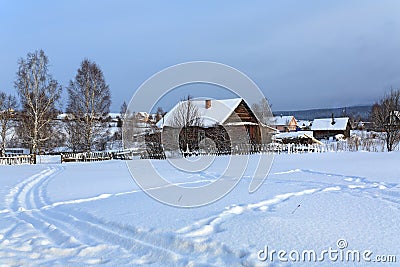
x=82, y=214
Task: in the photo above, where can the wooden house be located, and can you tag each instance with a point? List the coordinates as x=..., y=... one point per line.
x=284, y=123
x=300, y=137
x=330, y=127
x=226, y=122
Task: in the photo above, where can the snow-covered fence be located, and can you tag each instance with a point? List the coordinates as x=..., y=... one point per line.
x=99, y=156
x=298, y=148
x=156, y=155
x=125, y=154
x=11, y=159
x=85, y=156
x=241, y=149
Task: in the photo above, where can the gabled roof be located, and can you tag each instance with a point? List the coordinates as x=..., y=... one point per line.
x=218, y=113
x=281, y=120
x=326, y=124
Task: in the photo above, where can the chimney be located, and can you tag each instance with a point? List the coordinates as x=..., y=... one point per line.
x=333, y=120
x=208, y=103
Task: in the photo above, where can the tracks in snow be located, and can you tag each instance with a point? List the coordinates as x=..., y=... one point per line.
x=353, y=185
x=46, y=231
x=59, y=231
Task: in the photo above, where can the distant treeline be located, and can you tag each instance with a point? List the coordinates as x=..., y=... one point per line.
x=357, y=112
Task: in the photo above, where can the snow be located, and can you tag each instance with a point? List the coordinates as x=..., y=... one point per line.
x=326, y=124
x=240, y=123
x=218, y=113
x=299, y=134
x=114, y=115
x=89, y=214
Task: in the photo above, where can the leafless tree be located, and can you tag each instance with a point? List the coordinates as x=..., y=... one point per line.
x=131, y=132
x=89, y=101
x=185, y=114
x=262, y=110
x=124, y=108
x=8, y=104
x=386, y=117
x=160, y=113
x=75, y=140
x=39, y=93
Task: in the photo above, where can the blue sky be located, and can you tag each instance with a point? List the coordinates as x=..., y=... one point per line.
x=302, y=54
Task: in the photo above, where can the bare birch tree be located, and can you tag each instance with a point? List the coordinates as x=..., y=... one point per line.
x=385, y=116
x=39, y=93
x=89, y=101
x=8, y=104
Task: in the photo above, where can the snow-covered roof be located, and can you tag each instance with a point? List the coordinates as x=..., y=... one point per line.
x=299, y=134
x=281, y=120
x=114, y=115
x=304, y=123
x=326, y=124
x=241, y=123
x=64, y=116
x=217, y=113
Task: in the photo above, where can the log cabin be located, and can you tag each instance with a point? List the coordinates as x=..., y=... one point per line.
x=226, y=122
x=330, y=127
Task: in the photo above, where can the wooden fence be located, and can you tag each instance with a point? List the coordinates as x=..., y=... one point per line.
x=239, y=149
x=85, y=157
x=13, y=159
x=97, y=156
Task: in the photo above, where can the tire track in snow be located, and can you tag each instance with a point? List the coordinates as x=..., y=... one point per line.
x=85, y=231
x=81, y=231
x=20, y=202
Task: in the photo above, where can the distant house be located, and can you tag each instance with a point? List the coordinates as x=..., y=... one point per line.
x=284, y=123
x=329, y=127
x=300, y=137
x=223, y=121
x=304, y=125
x=17, y=151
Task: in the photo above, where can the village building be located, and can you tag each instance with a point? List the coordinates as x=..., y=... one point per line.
x=330, y=127
x=284, y=123
x=226, y=122
x=300, y=137
x=304, y=125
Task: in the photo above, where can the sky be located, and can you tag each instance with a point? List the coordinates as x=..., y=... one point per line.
x=301, y=54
